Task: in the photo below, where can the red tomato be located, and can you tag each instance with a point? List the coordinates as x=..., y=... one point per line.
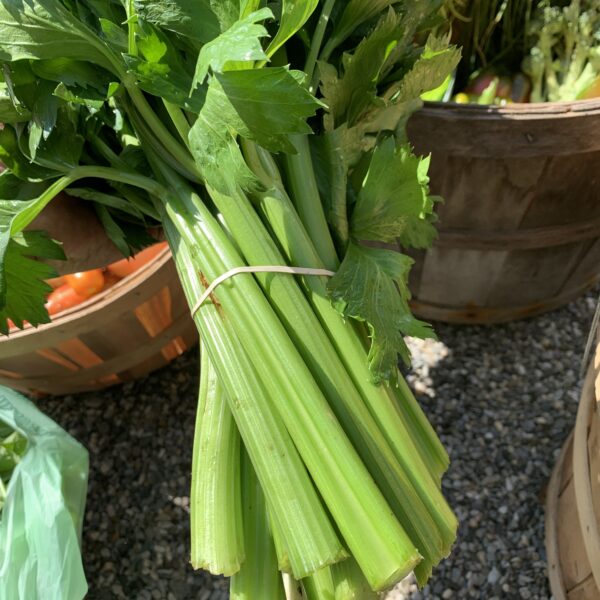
x=127, y=266
x=62, y=298
x=86, y=283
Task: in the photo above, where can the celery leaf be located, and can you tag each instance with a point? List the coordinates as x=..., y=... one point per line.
x=241, y=42
x=394, y=201
x=39, y=29
x=195, y=20
x=294, y=14
x=263, y=105
x=371, y=285
x=23, y=290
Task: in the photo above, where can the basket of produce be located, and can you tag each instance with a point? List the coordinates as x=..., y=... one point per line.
x=515, y=155
x=573, y=502
x=108, y=326
x=311, y=458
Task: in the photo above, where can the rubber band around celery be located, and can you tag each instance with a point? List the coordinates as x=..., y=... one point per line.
x=257, y=269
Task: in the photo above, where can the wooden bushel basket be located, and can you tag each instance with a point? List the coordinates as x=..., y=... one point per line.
x=573, y=503
x=132, y=328
x=520, y=226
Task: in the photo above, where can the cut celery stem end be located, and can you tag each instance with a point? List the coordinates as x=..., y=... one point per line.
x=259, y=576
x=217, y=537
x=350, y=583
x=302, y=520
x=346, y=402
x=365, y=520
x=283, y=557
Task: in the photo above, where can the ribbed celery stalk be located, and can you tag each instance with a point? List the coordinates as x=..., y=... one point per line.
x=215, y=503
x=423, y=433
x=303, y=522
x=285, y=224
x=373, y=534
x=283, y=557
x=259, y=577
x=298, y=248
x=350, y=583
x=319, y=586
x=303, y=188
x=319, y=354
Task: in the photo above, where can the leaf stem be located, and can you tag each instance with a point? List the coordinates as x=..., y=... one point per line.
x=131, y=23
x=305, y=193
x=315, y=46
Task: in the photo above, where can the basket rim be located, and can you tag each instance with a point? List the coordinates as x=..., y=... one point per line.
x=518, y=111
x=86, y=309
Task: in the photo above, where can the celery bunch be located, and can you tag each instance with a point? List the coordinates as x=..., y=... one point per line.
x=564, y=60
x=254, y=134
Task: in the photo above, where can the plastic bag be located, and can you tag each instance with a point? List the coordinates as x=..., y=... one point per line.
x=40, y=524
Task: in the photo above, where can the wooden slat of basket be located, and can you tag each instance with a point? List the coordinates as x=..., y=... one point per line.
x=117, y=364
x=582, y=476
x=555, y=574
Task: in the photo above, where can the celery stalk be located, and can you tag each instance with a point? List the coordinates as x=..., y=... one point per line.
x=215, y=504
x=369, y=527
x=303, y=189
x=283, y=557
x=350, y=583
x=321, y=357
x=258, y=577
x=297, y=246
x=291, y=495
x=319, y=586
x=286, y=225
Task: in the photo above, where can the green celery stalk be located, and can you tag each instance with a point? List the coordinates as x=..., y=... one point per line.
x=304, y=190
x=319, y=586
x=217, y=537
x=308, y=335
x=310, y=538
x=350, y=583
x=297, y=247
x=283, y=557
x=287, y=227
x=258, y=577
x=369, y=527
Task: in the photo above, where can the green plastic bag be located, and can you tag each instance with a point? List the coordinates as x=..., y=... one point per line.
x=40, y=524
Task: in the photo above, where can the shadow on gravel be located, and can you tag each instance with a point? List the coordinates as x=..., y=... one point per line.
x=503, y=400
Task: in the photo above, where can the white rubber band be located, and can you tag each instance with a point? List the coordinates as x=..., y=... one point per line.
x=264, y=269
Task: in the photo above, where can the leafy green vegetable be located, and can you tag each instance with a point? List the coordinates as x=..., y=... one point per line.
x=255, y=135
x=13, y=446
x=372, y=286
x=564, y=60
x=394, y=201
x=241, y=42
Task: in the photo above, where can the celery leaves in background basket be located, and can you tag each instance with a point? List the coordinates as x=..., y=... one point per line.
x=43, y=473
x=262, y=135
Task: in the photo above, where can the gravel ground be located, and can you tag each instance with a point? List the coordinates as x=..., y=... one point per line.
x=503, y=400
